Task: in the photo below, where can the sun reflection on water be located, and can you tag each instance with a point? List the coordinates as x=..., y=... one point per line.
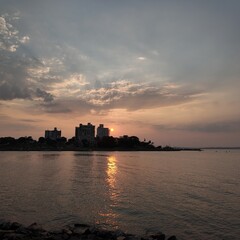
x=111, y=171
x=109, y=215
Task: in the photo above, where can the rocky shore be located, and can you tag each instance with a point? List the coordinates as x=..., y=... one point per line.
x=17, y=231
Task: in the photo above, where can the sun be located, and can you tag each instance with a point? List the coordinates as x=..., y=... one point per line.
x=111, y=129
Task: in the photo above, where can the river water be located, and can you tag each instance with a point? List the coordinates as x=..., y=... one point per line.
x=193, y=195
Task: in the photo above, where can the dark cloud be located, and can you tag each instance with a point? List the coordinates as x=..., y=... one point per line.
x=10, y=91
x=14, y=64
x=47, y=97
x=15, y=79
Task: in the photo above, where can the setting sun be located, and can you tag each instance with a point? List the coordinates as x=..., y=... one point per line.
x=111, y=129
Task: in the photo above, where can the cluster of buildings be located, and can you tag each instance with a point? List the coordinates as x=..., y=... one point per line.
x=82, y=133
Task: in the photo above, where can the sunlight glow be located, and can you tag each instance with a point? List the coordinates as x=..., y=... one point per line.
x=111, y=171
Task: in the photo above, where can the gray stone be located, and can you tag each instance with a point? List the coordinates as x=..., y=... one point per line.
x=80, y=231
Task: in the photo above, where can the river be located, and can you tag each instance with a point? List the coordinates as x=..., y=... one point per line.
x=193, y=195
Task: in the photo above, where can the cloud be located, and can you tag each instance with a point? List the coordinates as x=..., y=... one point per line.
x=141, y=58
x=25, y=39
x=30, y=120
x=9, y=36
x=8, y=91
x=17, y=125
x=47, y=97
x=218, y=126
x=70, y=86
x=13, y=74
x=55, y=107
x=207, y=127
x=106, y=72
x=133, y=96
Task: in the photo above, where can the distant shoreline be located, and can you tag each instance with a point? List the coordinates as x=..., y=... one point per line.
x=97, y=150
x=124, y=143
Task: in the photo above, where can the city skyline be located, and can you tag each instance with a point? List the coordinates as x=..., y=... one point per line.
x=161, y=70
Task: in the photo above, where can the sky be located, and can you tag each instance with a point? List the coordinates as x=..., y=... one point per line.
x=163, y=70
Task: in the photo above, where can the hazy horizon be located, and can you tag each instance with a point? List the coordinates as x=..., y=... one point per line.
x=166, y=71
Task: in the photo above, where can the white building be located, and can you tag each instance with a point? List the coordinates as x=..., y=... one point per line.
x=85, y=133
x=53, y=134
x=102, y=131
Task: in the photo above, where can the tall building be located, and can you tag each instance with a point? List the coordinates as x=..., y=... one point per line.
x=85, y=133
x=53, y=134
x=102, y=131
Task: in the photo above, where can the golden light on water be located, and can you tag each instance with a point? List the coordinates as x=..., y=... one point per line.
x=111, y=171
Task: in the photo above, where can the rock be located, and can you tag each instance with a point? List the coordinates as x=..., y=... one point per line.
x=79, y=225
x=93, y=229
x=87, y=232
x=15, y=225
x=67, y=231
x=104, y=234
x=91, y=237
x=80, y=229
x=56, y=232
x=121, y=238
x=35, y=227
x=172, y=238
x=57, y=237
x=5, y=225
x=14, y=236
x=119, y=233
x=74, y=238
x=65, y=236
x=132, y=237
x=22, y=230
x=6, y=231
x=16, y=231
x=158, y=236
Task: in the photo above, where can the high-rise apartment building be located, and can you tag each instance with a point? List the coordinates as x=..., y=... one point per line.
x=53, y=134
x=85, y=133
x=102, y=131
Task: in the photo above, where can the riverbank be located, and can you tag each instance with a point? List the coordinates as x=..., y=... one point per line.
x=92, y=149
x=124, y=143
x=17, y=231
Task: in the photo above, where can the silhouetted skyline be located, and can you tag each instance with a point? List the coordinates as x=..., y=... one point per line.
x=163, y=70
